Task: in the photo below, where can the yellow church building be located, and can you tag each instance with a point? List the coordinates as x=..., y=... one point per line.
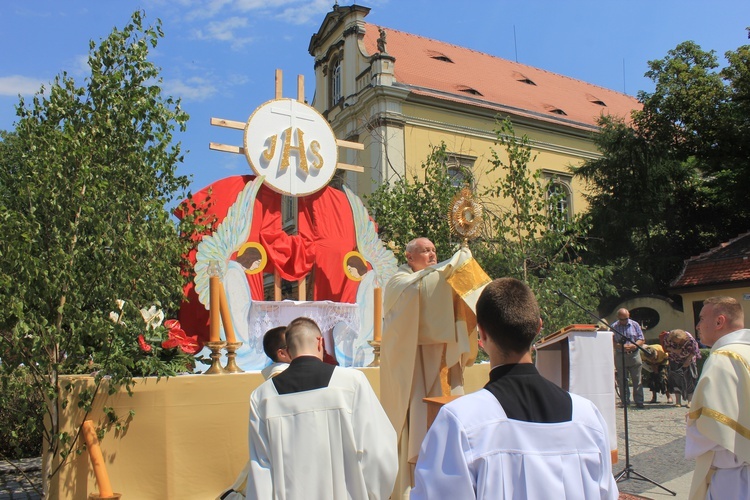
x=400, y=94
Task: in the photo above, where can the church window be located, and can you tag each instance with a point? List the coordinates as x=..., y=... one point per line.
x=559, y=196
x=460, y=170
x=335, y=82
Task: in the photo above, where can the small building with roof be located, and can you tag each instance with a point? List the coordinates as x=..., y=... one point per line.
x=722, y=270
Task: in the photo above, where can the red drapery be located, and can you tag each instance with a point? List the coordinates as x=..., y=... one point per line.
x=326, y=235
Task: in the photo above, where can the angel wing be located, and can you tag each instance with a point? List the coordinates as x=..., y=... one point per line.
x=383, y=262
x=229, y=236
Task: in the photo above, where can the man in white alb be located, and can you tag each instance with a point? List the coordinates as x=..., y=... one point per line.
x=718, y=425
x=428, y=338
x=318, y=430
x=521, y=437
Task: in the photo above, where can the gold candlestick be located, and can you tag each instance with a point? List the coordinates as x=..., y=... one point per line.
x=376, y=351
x=216, y=348
x=231, y=366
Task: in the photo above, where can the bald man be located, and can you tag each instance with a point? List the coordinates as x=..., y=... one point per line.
x=318, y=430
x=718, y=425
x=429, y=335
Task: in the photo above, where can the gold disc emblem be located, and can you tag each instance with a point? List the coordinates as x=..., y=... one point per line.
x=465, y=215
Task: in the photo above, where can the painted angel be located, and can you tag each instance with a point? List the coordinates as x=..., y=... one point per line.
x=352, y=348
x=230, y=237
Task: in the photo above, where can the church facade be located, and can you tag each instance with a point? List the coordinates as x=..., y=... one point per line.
x=401, y=94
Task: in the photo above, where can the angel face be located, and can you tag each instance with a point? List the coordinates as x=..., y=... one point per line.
x=353, y=271
x=355, y=266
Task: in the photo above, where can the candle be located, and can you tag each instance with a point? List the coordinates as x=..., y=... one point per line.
x=226, y=318
x=97, y=461
x=214, y=285
x=378, y=315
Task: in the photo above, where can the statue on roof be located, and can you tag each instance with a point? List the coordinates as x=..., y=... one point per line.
x=381, y=41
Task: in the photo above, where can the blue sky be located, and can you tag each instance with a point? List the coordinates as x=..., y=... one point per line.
x=219, y=56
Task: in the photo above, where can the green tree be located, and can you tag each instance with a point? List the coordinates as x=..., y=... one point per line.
x=673, y=182
x=85, y=181
x=416, y=207
x=530, y=239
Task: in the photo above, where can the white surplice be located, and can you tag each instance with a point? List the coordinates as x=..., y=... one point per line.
x=473, y=450
x=273, y=369
x=332, y=443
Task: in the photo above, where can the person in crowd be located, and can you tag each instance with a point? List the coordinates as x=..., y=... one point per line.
x=317, y=430
x=683, y=354
x=274, y=345
x=521, y=436
x=656, y=371
x=718, y=425
x=428, y=335
x=628, y=336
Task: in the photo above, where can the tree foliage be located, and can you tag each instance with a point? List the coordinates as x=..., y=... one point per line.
x=530, y=239
x=85, y=181
x=673, y=182
x=416, y=207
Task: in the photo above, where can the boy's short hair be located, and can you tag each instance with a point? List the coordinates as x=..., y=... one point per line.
x=273, y=340
x=507, y=311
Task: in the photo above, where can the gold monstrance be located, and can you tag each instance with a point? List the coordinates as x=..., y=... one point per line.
x=465, y=215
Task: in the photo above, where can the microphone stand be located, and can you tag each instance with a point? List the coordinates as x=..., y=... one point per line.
x=625, y=473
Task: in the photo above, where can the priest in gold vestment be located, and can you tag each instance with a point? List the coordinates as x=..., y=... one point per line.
x=718, y=425
x=429, y=336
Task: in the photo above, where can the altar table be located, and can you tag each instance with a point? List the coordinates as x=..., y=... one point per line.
x=187, y=440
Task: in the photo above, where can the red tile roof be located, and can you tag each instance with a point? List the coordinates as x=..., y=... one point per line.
x=725, y=264
x=445, y=71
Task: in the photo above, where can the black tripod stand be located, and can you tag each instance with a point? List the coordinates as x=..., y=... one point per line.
x=628, y=471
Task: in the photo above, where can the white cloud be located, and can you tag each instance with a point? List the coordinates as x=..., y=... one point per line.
x=192, y=89
x=206, y=10
x=225, y=31
x=293, y=11
x=17, y=84
x=247, y=5
x=304, y=12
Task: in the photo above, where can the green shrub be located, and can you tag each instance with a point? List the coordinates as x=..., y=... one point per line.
x=20, y=418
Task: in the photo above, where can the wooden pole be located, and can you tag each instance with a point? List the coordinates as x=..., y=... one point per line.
x=276, y=286
x=278, y=82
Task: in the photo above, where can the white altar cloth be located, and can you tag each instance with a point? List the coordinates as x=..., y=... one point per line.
x=328, y=315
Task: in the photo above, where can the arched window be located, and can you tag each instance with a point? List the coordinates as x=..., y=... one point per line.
x=460, y=170
x=335, y=82
x=559, y=196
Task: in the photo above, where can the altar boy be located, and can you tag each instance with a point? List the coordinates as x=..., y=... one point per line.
x=521, y=436
x=318, y=430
